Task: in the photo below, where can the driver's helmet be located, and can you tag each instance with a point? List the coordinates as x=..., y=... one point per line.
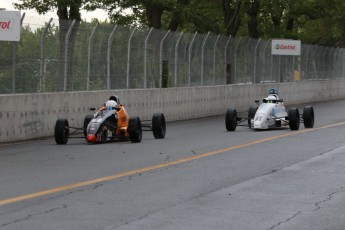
x=111, y=104
x=270, y=99
x=115, y=98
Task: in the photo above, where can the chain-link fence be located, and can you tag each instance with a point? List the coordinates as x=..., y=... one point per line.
x=70, y=56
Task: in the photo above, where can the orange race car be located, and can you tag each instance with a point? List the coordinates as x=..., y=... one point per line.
x=111, y=123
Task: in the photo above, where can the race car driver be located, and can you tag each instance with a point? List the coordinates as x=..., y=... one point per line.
x=119, y=109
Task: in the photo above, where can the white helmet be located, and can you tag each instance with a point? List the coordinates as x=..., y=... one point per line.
x=111, y=104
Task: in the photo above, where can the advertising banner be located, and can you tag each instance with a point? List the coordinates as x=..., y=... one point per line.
x=286, y=47
x=10, y=25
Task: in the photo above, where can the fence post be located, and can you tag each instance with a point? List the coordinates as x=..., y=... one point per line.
x=190, y=58
x=42, y=61
x=89, y=58
x=145, y=57
x=255, y=57
x=14, y=52
x=235, y=61
x=226, y=61
x=202, y=59
x=176, y=57
x=66, y=56
x=214, y=60
x=129, y=56
x=342, y=61
x=264, y=61
x=161, y=59
x=110, y=41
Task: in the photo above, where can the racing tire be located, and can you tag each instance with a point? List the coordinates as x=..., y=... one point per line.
x=134, y=129
x=61, y=131
x=87, y=120
x=251, y=114
x=158, y=125
x=294, y=121
x=308, y=116
x=231, y=119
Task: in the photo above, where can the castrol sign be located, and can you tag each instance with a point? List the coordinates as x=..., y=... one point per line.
x=286, y=47
x=9, y=25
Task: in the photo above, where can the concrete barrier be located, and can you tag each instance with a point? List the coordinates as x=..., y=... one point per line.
x=28, y=116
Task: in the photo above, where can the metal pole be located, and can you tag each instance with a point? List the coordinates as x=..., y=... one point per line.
x=342, y=61
x=306, y=73
x=235, y=61
x=190, y=58
x=271, y=63
x=214, y=60
x=161, y=59
x=264, y=61
x=42, y=61
x=145, y=58
x=66, y=55
x=14, y=51
x=255, y=60
x=110, y=41
x=129, y=57
x=202, y=59
x=226, y=58
x=176, y=57
x=89, y=58
x=335, y=58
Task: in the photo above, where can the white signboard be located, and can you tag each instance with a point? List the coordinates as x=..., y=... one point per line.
x=10, y=25
x=286, y=47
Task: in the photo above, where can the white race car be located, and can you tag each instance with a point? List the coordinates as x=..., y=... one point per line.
x=271, y=113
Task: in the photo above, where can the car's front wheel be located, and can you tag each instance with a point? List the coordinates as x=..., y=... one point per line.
x=294, y=121
x=134, y=129
x=231, y=119
x=158, y=125
x=308, y=116
x=61, y=131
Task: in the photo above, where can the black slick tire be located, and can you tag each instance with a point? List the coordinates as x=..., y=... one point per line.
x=308, y=116
x=231, y=119
x=294, y=120
x=61, y=131
x=158, y=125
x=134, y=129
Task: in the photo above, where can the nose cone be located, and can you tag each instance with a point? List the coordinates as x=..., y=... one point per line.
x=91, y=138
x=260, y=121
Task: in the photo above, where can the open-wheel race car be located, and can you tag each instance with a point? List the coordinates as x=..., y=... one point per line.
x=110, y=123
x=271, y=113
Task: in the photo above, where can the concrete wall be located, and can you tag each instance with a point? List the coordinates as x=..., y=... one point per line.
x=27, y=116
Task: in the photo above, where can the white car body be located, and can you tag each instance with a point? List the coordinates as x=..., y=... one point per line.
x=270, y=115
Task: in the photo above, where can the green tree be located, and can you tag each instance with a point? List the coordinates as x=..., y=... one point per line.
x=67, y=10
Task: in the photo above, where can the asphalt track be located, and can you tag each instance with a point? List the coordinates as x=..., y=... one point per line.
x=198, y=177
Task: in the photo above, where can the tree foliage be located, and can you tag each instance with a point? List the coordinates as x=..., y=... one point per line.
x=312, y=21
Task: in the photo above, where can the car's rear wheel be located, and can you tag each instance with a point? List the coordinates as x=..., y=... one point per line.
x=61, y=131
x=134, y=129
x=294, y=120
x=87, y=120
x=308, y=116
x=158, y=125
x=231, y=119
x=251, y=114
